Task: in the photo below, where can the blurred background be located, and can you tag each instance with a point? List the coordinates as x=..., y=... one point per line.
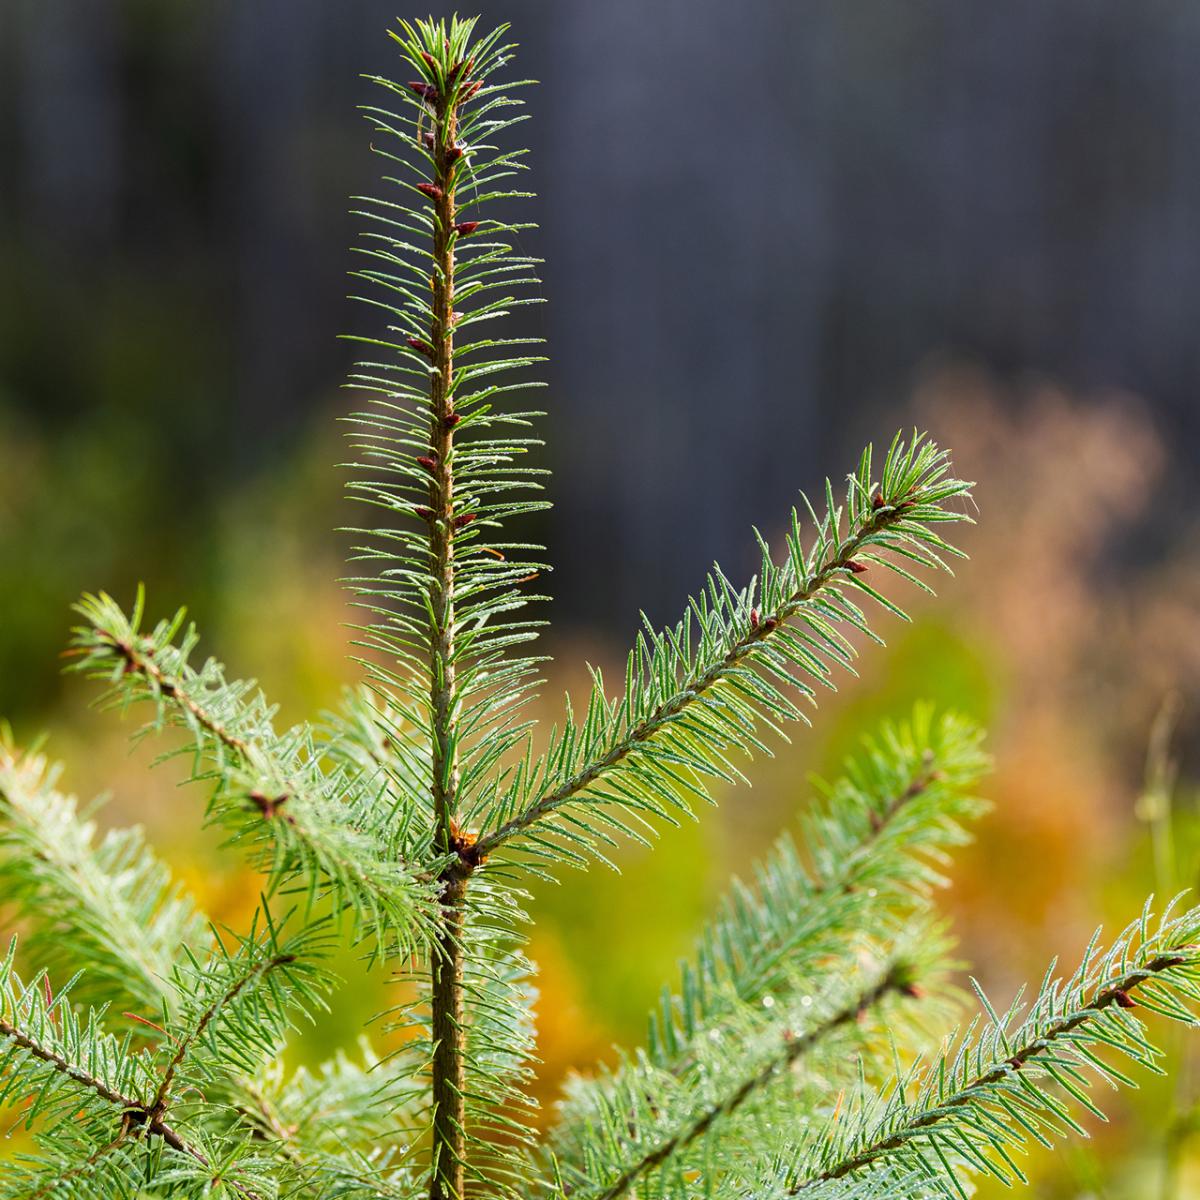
x=773, y=231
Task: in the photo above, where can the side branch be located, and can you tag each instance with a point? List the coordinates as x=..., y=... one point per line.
x=63, y=1066
x=269, y=806
x=762, y=629
x=104, y=901
x=296, y=813
x=831, y=889
x=142, y=663
x=1115, y=994
x=158, y=1105
x=134, y=1114
x=60, y=1177
x=793, y=1049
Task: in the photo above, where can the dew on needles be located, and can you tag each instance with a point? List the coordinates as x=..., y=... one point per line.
x=804, y=1047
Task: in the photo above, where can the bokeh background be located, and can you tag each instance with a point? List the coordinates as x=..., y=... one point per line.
x=772, y=230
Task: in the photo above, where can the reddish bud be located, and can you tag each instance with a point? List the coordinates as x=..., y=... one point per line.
x=424, y=513
x=430, y=61
x=454, y=153
x=1015, y=1063
x=754, y=618
x=1124, y=999
x=268, y=806
x=431, y=190
x=878, y=501
x=452, y=419
x=429, y=140
x=426, y=91
x=912, y=991
x=470, y=89
x=464, y=520
x=420, y=345
x=769, y=624
x=466, y=228
x=430, y=464
x=857, y=567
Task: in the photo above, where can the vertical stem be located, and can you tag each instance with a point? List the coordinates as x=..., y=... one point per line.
x=449, y=1141
x=446, y=1176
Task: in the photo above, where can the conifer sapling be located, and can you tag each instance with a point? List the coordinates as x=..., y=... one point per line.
x=797, y=1053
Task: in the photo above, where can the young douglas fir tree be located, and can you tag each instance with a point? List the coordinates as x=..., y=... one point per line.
x=794, y=1057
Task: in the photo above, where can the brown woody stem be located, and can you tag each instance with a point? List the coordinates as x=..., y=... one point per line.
x=448, y=1083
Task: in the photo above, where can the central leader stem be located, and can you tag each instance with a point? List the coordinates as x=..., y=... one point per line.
x=449, y=1138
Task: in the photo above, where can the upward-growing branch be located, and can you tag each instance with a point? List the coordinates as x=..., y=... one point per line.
x=740, y=659
x=694, y=691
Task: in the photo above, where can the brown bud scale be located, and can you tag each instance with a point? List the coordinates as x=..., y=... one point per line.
x=426, y=91
x=269, y=806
